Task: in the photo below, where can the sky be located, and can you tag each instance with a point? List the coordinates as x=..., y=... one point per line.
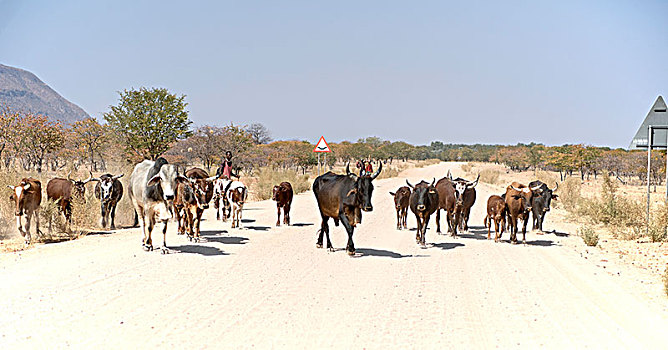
x=493, y=72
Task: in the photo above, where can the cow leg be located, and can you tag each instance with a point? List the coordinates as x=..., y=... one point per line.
x=324, y=229
x=438, y=220
x=465, y=225
x=424, y=230
x=200, y=212
x=286, y=214
x=180, y=228
x=278, y=213
x=149, y=216
x=350, y=247
x=418, y=231
x=103, y=215
x=524, y=228
x=164, y=237
x=113, y=215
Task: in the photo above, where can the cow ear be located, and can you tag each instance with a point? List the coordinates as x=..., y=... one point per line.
x=555, y=196
x=10, y=186
x=392, y=193
x=26, y=187
x=283, y=189
x=354, y=190
x=154, y=180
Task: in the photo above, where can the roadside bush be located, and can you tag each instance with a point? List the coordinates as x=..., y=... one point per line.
x=658, y=224
x=391, y=171
x=267, y=178
x=588, y=235
x=426, y=162
x=570, y=195
x=467, y=167
x=547, y=178
x=611, y=210
x=489, y=176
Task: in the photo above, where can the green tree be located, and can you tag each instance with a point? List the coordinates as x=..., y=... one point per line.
x=149, y=121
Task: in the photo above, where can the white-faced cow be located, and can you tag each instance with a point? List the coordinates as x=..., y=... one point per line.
x=423, y=203
x=401, y=201
x=27, y=197
x=220, y=202
x=152, y=186
x=540, y=203
x=466, y=191
x=63, y=192
x=342, y=198
x=236, y=195
x=109, y=190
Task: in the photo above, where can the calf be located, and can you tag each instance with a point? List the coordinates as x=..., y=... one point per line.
x=185, y=209
x=220, y=202
x=236, y=195
x=401, y=201
x=27, y=197
x=64, y=191
x=203, y=186
x=282, y=194
x=109, y=190
x=540, y=203
x=423, y=203
x=496, y=212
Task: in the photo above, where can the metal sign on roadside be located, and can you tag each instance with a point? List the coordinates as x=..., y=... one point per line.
x=322, y=146
x=657, y=115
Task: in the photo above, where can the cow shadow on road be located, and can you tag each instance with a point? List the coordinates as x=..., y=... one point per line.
x=228, y=240
x=257, y=228
x=541, y=243
x=447, y=245
x=302, y=224
x=199, y=249
x=212, y=232
x=362, y=252
x=247, y=220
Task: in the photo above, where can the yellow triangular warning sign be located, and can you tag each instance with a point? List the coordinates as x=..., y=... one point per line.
x=322, y=146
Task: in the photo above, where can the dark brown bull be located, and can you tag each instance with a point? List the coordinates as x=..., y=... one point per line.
x=64, y=191
x=401, y=201
x=282, y=194
x=109, y=190
x=185, y=209
x=342, y=198
x=27, y=197
x=448, y=201
x=496, y=212
x=423, y=203
x=518, y=204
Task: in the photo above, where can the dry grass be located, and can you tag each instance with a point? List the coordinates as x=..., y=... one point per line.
x=550, y=179
x=570, y=194
x=468, y=167
x=490, y=176
x=267, y=178
x=665, y=280
x=589, y=236
x=427, y=162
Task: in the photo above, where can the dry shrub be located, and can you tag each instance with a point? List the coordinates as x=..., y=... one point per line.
x=547, y=178
x=613, y=210
x=665, y=280
x=427, y=162
x=391, y=171
x=489, y=176
x=570, y=195
x=589, y=236
x=467, y=167
x=50, y=212
x=267, y=178
x=658, y=224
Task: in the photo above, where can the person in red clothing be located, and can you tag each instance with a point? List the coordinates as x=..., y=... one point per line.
x=225, y=170
x=368, y=168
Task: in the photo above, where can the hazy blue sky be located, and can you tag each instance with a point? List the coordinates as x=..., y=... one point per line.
x=459, y=72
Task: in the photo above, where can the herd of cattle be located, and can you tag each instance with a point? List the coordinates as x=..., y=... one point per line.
x=158, y=193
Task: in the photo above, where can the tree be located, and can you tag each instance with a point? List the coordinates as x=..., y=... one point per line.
x=88, y=137
x=149, y=122
x=39, y=137
x=259, y=134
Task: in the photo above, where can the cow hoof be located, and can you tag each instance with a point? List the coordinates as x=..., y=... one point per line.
x=147, y=248
x=331, y=249
x=318, y=245
x=197, y=240
x=351, y=253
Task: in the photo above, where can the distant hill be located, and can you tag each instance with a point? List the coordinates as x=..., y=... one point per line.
x=23, y=91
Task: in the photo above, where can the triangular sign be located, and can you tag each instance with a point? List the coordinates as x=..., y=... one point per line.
x=657, y=116
x=322, y=146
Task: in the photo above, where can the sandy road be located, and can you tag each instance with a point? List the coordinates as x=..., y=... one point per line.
x=263, y=287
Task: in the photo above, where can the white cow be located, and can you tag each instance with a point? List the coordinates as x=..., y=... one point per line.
x=236, y=195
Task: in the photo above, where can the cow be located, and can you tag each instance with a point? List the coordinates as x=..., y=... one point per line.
x=109, y=190
x=202, y=188
x=401, y=200
x=283, y=194
x=423, y=203
x=64, y=191
x=185, y=208
x=342, y=198
x=466, y=191
x=220, y=202
x=451, y=203
x=152, y=190
x=27, y=197
x=496, y=212
x=518, y=205
x=237, y=194
x=540, y=203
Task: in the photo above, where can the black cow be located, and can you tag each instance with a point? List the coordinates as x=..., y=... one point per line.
x=423, y=203
x=109, y=190
x=342, y=198
x=540, y=203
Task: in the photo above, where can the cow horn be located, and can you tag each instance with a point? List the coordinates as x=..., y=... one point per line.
x=535, y=188
x=375, y=175
x=433, y=182
x=348, y=169
x=474, y=183
x=117, y=177
x=409, y=184
x=10, y=186
x=556, y=183
x=68, y=176
x=89, y=178
x=26, y=187
x=515, y=188
x=449, y=175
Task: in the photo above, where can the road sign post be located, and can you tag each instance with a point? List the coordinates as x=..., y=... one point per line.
x=322, y=147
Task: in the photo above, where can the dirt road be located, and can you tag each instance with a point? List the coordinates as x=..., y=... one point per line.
x=267, y=287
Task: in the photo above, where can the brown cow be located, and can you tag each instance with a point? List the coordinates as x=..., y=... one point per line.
x=518, y=205
x=64, y=191
x=466, y=191
x=282, y=194
x=451, y=203
x=401, y=201
x=27, y=197
x=185, y=208
x=496, y=211
x=202, y=185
